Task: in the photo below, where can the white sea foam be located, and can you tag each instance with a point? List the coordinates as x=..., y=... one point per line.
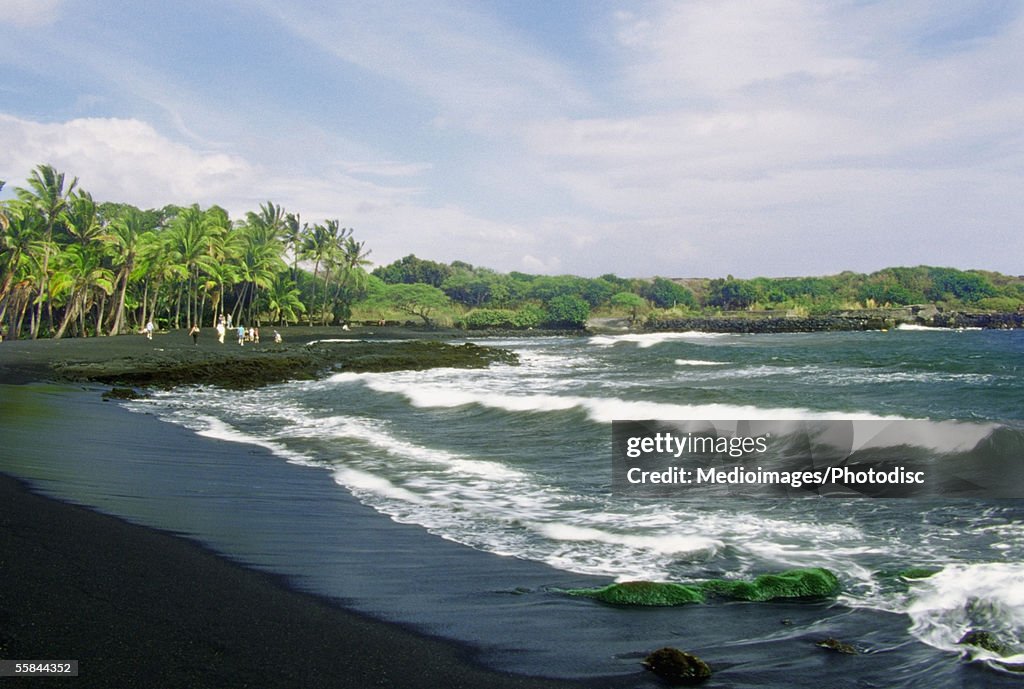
x=670, y=544
x=360, y=482
x=418, y=476
x=212, y=427
x=930, y=328
x=373, y=433
x=644, y=340
x=599, y=409
x=987, y=596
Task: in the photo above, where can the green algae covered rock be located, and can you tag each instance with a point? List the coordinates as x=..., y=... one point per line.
x=643, y=593
x=677, y=667
x=986, y=640
x=811, y=582
x=919, y=572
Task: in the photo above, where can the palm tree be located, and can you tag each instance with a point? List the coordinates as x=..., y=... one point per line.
x=193, y=237
x=283, y=300
x=50, y=198
x=352, y=257
x=316, y=247
x=124, y=237
x=81, y=274
x=82, y=219
x=293, y=235
x=260, y=262
x=154, y=266
x=20, y=238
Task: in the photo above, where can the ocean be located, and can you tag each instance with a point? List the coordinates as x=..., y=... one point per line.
x=465, y=502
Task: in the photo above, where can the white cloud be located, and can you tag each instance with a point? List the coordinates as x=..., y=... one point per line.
x=29, y=12
x=718, y=137
x=712, y=47
x=127, y=160
x=763, y=125
x=121, y=159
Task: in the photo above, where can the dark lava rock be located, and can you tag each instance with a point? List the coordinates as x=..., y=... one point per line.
x=250, y=367
x=986, y=640
x=677, y=667
x=122, y=394
x=837, y=646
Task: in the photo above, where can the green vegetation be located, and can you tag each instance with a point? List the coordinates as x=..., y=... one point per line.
x=644, y=593
x=71, y=265
x=812, y=582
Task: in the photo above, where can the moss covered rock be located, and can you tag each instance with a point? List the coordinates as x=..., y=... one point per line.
x=677, y=667
x=988, y=641
x=811, y=582
x=643, y=593
x=919, y=572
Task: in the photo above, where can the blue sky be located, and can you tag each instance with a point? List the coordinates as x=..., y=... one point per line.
x=691, y=138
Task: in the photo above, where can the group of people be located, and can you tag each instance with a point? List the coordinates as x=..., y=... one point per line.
x=250, y=334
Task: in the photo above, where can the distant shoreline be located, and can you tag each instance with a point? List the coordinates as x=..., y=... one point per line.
x=171, y=359
x=840, y=321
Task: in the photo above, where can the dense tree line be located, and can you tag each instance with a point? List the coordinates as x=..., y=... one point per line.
x=518, y=300
x=948, y=287
x=70, y=265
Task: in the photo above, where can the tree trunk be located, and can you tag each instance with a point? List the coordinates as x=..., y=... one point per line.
x=119, y=312
x=69, y=315
x=99, y=313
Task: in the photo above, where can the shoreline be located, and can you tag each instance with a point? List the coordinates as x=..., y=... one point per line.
x=171, y=359
x=138, y=607
x=143, y=606
x=49, y=421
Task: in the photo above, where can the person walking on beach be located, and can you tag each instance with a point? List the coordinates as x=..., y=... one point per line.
x=149, y=330
x=241, y=335
x=194, y=332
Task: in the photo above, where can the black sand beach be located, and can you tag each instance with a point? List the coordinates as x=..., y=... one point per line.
x=142, y=608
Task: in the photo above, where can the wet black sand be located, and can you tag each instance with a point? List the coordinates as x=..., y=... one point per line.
x=140, y=608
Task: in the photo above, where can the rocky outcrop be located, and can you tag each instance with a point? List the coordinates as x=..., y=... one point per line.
x=807, y=583
x=676, y=667
x=250, y=367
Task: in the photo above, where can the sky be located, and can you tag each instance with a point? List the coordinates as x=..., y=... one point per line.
x=697, y=138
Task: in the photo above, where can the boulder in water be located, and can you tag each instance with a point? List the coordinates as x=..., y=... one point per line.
x=837, y=646
x=643, y=593
x=811, y=582
x=986, y=640
x=677, y=667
